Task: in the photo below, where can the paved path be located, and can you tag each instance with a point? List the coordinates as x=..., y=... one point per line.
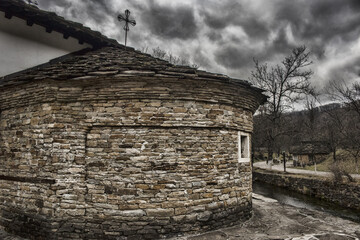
x=272, y=220
x=8, y=236
x=280, y=167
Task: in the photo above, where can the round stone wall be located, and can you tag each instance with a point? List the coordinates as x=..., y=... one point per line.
x=129, y=157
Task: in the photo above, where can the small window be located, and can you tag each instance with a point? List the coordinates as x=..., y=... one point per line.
x=244, y=147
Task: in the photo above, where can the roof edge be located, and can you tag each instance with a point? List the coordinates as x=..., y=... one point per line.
x=52, y=22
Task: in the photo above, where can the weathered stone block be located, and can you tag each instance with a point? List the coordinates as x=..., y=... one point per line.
x=204, y=216
x=133, y=213
x=159, y=212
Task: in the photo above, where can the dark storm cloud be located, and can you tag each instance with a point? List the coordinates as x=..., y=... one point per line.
x=94, y=10
x=201, y=58
x=281, y=44
x=331, y=21
x=48, y=4
x=234, y=57
x=255, y=28
x=217, y=21
x=226, y=35
x=167, y=22
x=238, y=55
x=347, y=71
x=99, y=10
x=322, y=19
x=221, y=16
x=328, y=9
x=313, y=23
x=214, y=36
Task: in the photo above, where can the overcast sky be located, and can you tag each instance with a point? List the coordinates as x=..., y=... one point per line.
x=224, y=36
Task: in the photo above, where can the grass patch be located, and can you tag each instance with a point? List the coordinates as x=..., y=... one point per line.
x=300, y=175
x=344, y=159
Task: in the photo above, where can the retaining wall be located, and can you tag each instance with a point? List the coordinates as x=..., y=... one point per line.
x=347, y=195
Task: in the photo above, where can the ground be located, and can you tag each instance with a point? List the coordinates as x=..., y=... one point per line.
x=7, y=236
x=271, y=220
x=289, y=169
x=344, y=160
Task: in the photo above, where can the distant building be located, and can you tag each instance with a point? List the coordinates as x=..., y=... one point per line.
x=309, y=152
x=107, y=143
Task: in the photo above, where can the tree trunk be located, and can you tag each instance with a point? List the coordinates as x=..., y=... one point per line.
x=269, y=152
x=270, y=155
x=284, y=161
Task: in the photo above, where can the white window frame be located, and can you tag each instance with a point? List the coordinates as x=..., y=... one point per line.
x=247, y=147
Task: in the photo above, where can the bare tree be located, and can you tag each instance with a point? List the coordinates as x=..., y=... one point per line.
x=285, y=84
x=351, y=142
x=171, y=58
x=158, y=53
x=144, y=49
x=338, y=90
x=349, y=119
x=311, y=120
x=331, y=129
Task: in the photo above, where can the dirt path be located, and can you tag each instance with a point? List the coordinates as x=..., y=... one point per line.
x=280, y=167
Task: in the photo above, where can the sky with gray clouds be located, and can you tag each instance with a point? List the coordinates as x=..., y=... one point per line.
x=224, y=36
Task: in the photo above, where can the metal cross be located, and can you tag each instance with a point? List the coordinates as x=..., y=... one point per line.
x=127, y=21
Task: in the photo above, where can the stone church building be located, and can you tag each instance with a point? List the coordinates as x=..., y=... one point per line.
x=98, y=142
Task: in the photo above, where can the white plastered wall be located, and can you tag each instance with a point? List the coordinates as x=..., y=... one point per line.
x=23, y=46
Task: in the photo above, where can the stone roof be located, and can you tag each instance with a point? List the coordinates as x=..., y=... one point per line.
x=52, y=22
x=110, y=61
x=307, y=147
x=108, y=58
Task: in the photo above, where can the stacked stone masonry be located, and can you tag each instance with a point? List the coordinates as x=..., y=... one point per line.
x=123, y=157
x=344, y=194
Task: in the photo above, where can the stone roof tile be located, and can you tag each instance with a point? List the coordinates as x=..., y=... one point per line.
x=112, y=61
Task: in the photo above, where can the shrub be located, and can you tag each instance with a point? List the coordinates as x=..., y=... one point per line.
x=339, y=170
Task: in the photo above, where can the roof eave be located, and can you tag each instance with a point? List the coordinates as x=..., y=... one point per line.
x=52, y=22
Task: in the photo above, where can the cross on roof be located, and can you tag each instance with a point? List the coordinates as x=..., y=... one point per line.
x=127, y=22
